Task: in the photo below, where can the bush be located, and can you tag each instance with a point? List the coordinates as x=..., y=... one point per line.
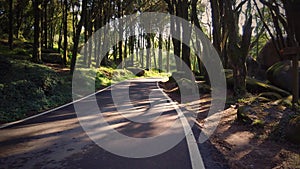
x=29, y=88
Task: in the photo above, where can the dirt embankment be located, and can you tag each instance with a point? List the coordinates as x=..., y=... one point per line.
x=258, y=145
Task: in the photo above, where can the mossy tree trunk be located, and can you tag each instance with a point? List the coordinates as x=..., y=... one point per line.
x=238, y=48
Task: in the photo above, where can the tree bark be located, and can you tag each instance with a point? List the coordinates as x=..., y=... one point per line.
x=216, y=23
x=11, y=22
x=160, y=39
x=77, y=36
x=65, y=32
x=187, y=34
x=292, y=9
x=45, y=26
x=148, y=47
x=37, y=33
x=238, y=54
x=120, y=14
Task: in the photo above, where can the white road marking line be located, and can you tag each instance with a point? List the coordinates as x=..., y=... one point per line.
x=57, y=108
x=195, y=155
x=52, y=110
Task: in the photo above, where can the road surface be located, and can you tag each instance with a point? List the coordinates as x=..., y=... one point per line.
x=57, y=140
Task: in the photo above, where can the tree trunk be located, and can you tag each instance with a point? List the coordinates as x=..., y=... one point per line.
x=237, y=53
x=45, y=26
x=153, y=52
x=86, y=37
x=175, y=29
x=168, y=46
x=148, y=48
x=11, y=22
x=292, y=9
x=65, y=32
x=216, y=23
x=90, y=51
x=187, y=35
x=160, y=39
x=37, y=34
x=142, y=50
x=77, y=36
x=125, y=51
x=61, y=28
x=120, y=14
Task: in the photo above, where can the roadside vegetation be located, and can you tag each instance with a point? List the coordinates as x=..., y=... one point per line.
x=27, y=88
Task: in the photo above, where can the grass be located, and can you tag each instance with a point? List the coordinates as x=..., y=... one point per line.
x=156, y=73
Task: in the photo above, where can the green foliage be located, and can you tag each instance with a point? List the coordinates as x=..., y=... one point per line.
x=27, y=88
x=258, y=122
x=156, y=73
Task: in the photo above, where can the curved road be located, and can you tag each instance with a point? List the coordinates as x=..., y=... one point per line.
x=57, y=140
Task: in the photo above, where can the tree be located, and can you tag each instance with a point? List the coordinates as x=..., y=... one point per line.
x=45, y=23
x=238, y=48
x=37, y=33
x=77, y=36
x=220, y=30
x=196, y=22
x=187, y=33
x=65, y=28
x=175, y=29
x=292, y=9
x=11, y=33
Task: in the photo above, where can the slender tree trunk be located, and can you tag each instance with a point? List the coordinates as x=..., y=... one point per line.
x=160, y=39
x=125, y=52
x=85, y=55
x=148, y=48
x=77, y=36
x=137, y=47
x=175, y=29
x=153, y=52
x=19, y=15
x=60, y=36
x=65, y=32
x=11, y=22
x=45, y=26
x=176, y=45
x=187, y=35
x=89, y=59
x=131, y=46
x=61, y=28
x=216, y=23
x=196, y=21
x=37, y=34
x=120, y=14
x=168, y=53
x=97, y=41
x=142, y=50
x=52, y=24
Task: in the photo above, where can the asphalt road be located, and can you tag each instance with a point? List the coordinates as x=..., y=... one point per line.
x=57, y=140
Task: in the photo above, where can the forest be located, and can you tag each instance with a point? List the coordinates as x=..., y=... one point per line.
x=48, y=46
